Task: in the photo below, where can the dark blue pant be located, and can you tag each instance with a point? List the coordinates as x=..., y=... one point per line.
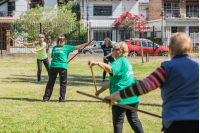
x=118, y=114
x=39, y=65
x=183, y=127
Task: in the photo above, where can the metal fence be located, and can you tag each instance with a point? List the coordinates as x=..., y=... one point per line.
x=151, y=40
x=146, y=38
x=75, y=34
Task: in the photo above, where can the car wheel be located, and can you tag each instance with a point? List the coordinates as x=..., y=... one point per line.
x=87, y=52
x=165, y=53
x=132, y=54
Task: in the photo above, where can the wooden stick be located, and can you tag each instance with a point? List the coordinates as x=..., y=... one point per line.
x=120, y=105
x=80, y=51
x=94, y=79
x=23, y=45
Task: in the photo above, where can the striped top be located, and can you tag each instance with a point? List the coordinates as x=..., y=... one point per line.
x=152, y=82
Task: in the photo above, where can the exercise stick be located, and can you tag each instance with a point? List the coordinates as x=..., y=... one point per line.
x=120, y=105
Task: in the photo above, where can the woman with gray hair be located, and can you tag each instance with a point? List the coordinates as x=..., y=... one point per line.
x=121, y=76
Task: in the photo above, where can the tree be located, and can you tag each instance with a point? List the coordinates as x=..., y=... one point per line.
x=49, y=21
x=128, y=22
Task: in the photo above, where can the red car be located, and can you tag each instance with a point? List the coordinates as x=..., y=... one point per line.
x=134, y=47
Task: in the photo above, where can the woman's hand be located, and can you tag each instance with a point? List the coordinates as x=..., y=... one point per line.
x=88, y=48
x=104, y=57
x=33, y=51
x=112, y=98
x=92, y=63
x=97, y=93
x=18, y=42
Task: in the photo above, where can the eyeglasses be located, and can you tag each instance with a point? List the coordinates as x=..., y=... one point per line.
x=115, y=49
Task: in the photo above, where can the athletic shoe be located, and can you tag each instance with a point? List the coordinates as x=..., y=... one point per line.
x=45, y=100
x=39, y=82
x=62, y=100
x=103, y=80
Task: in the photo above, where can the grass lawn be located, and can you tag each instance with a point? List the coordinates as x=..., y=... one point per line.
x=22, y=109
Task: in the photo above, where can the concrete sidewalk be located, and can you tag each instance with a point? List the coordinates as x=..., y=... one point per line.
x=85, y=57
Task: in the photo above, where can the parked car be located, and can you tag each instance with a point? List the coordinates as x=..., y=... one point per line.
x=134, y=47
x=95, y=44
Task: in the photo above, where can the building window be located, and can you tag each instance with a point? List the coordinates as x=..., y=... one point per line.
x=193, y=11
x=99, y=35
x=11, y=8
x=36, y=3
x=172, y=9
x=102, y=10
x=173, y=29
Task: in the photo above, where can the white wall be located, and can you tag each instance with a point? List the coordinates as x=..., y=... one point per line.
x=117, y=11
x=4, y=7
x=143, y=10
x=20, y=7
x=49, y=3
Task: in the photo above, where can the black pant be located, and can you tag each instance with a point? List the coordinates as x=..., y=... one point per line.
x=110, y=59
x=50, y=84
x=118, y=114
x=183, y=127
x=39, y=65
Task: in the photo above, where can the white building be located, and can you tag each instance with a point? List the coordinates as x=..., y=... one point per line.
x=10, y=10
x=102, y=13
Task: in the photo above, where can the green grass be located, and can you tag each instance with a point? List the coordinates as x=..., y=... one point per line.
x=22, y=109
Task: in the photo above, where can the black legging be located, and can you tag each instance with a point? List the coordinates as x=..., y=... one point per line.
x=39, y=65
x=118, y=114
x=107, y=61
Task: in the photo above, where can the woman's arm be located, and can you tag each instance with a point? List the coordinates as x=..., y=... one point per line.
x=94, y=48
x=107, y=55
x=152, y=82
x=103, y=88
x=38, y=49
x=104, y=66
x=80, y=46
x=25, y=43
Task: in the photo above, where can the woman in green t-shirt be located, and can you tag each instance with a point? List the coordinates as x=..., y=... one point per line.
x=59, y=57
x=41, y=56
x=121, y=76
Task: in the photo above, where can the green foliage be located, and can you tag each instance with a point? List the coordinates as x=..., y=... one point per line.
x=73, y=38
x=52, y=22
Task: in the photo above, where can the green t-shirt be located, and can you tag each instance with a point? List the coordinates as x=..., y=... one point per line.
x=122, y=77
x=59, y=56
x=41, y=55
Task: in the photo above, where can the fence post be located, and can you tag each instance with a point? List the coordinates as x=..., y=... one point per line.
x=79, y=34
x=116, y=31
x=194, y=39
x=141, y=51
x=153, y=40
x=1, y=39
x=40, y=28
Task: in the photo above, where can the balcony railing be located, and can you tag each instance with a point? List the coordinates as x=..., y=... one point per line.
x=6, y=13
x=172, y=13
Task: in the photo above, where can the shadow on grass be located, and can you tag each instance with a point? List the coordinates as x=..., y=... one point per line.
x=147, y=104
x=72, y=79
x=40, y=100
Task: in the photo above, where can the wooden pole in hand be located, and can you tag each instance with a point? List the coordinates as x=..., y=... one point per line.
x=80, y=51
x=120, y=105
x=94, y=79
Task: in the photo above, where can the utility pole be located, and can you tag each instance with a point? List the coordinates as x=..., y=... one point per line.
x=163, y=40
x=88, y=30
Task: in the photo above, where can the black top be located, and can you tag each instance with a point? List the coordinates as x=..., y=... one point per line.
x=106, y=50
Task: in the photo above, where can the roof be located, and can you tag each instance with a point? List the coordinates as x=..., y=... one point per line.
x=3, y=2
x=143, y=2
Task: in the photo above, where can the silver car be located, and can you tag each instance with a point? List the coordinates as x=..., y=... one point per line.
x=96, y=44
